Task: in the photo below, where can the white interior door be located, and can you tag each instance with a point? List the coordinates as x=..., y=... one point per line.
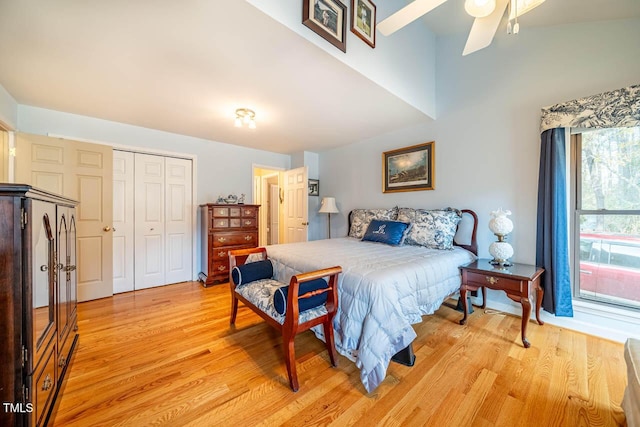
x=84, y=172
x=123, y=221
x=296, y=205
x=178, y=214
x=149, y=221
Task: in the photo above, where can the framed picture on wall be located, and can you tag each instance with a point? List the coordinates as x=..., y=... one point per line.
x=363, y=21
x=327, y=18
x=409, y=169
x=314, y=187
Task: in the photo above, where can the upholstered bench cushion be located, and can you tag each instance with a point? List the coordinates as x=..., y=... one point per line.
x=631, y=400
x=260, y=293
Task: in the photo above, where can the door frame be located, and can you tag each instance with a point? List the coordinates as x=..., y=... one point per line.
x=194, y=190
x=254, y=197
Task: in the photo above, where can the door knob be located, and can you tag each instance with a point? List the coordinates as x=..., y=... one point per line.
x=107, y=228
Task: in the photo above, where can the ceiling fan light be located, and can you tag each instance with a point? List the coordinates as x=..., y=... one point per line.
x=480, y=8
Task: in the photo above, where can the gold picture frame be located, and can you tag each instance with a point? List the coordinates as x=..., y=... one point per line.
x=409, y=168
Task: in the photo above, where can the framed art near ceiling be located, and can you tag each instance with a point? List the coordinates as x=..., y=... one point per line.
x=363, y=21
x=314, y=187
x=409, y=169
x=327, y=18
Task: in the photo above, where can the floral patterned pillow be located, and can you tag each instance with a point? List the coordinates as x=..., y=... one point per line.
x=360, y=219
x=433, y=229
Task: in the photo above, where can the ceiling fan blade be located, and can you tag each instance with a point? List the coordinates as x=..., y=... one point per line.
x=406, y=15
x=484, y=29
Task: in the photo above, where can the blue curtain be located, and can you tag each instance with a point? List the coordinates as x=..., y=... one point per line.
x=552, y=250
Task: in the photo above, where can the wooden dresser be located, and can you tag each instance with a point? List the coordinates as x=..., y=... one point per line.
x=225, y=227
x=38, y=301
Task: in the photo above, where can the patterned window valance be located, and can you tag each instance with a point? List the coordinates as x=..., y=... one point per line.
x=618, y=108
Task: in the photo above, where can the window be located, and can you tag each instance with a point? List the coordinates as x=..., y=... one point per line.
x=607, y=216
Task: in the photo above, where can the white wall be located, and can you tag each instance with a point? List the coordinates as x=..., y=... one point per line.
x=8, y=109
x=221, y=168
x=487, y=132
x=403, y=63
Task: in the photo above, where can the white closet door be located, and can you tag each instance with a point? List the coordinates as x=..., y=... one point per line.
x=123, y=221
x=84, y=172
x=178, y=229
x=149, y=221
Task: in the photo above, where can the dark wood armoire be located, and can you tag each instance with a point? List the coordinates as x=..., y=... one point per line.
x=38, y=301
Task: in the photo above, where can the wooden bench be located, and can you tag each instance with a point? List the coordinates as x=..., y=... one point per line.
x=259, y=295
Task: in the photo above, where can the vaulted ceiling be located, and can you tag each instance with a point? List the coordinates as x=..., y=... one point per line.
x=184, y=67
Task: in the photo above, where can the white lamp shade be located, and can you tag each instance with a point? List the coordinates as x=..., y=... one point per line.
x=479, y=8
x=328, y=205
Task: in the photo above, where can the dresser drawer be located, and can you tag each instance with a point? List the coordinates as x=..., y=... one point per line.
x=493, y=282
x=221, y=222
x=224, y=211
x=222, y=253
x=219, y=267
x=249, y=212
x=233, y=238
x=249, y=223
x=44, y=385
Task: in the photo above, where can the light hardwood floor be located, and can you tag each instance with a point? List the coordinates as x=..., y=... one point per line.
x=167, y=356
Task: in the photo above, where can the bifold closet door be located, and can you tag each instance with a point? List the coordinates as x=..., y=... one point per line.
x=123, y=221
x=153, y=223
x=178, y=220
x=149, y=189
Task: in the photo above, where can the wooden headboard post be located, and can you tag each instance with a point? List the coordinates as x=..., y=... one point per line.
x=473, y=246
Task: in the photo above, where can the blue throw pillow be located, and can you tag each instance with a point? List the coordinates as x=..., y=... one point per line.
x=280, y=297
x=252, y=271
x=389, y=232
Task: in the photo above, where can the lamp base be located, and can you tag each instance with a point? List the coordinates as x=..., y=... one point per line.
x=501, y=262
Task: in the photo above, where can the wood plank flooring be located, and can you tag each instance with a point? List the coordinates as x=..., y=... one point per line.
x=167, y=356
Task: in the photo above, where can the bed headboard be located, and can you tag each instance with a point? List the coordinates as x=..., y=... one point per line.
x=466, y=233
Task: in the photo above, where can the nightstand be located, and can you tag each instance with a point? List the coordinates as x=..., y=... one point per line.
x=517, y=281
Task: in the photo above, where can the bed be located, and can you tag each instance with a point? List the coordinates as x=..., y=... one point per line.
x=383, y=289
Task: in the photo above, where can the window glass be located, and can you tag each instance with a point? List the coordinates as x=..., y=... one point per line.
x=608, y=216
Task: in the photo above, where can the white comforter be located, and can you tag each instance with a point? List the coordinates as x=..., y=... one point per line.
x=382, y=291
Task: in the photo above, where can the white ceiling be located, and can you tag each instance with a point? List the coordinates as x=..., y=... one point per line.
x=185, y=66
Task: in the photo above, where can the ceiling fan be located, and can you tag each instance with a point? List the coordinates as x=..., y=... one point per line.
x=487, y=14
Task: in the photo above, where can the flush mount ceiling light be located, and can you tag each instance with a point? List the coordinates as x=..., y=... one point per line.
x=479, y=8
x=245, y=116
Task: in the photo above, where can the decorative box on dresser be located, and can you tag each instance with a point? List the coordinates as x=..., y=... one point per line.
x=38, y=301
x=225, y=227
